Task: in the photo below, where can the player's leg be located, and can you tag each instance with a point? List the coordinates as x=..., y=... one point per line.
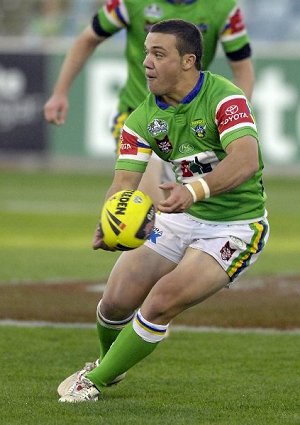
x=212, y=261
x=172, y=294
x=208, y=265
x=215, y=255
x=129, y=283
x=139, y=339
x=165, y=242
x=196, y=277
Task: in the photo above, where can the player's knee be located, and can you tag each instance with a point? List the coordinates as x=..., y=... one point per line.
x=161, y=309
x=114, y=322
x=113, y=309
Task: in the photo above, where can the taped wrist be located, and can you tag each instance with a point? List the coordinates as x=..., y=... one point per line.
x=199, y=189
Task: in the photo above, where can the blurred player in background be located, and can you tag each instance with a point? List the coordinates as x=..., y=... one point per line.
x=212, y=226
x=219, y=21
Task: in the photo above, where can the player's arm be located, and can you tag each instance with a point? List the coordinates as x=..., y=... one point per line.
x=106, y=22
x=237, y=48
x=243, y=75
x=124, y=179
x=152, y=178
x=56, y=108
x=240, y=164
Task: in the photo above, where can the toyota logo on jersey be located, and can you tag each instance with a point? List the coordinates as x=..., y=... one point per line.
x=233, y=113
x=233, y=109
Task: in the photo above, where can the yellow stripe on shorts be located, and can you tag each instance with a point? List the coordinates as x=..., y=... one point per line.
x=260, y=229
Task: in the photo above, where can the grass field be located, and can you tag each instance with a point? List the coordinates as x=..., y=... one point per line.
x=47, y=221
x=226, y=379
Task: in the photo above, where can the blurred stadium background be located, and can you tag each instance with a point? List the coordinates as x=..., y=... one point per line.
x=34, y=36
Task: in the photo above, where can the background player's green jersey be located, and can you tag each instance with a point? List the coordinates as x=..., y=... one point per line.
x=193, y=136
x=218, y=20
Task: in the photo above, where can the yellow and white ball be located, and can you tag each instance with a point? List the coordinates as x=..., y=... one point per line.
x=127, y=219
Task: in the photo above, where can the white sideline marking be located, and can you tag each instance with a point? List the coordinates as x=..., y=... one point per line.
x=175, y=328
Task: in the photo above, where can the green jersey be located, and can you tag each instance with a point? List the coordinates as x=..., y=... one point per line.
x=193, y=137
x=218, y=20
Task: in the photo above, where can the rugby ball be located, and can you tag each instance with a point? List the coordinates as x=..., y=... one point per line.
x=127, y=219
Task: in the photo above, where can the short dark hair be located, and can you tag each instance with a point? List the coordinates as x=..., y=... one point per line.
x=188, y=36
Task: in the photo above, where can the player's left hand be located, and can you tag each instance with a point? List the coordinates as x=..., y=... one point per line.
x=179, y=199
x=98, y=242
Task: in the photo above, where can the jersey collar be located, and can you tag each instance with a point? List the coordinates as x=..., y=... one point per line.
x=188, y=98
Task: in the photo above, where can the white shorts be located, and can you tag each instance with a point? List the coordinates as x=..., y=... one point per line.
x=234, y=246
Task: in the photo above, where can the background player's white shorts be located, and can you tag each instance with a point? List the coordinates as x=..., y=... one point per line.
x=234, y=246
x=167, y=173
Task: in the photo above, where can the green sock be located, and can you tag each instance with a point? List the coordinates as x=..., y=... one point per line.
x=106, y=337
x=127, y=350
x=108, y=330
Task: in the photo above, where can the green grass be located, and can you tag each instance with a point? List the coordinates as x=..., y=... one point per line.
x=283, y=249
x=227, y=379
x=47, y=221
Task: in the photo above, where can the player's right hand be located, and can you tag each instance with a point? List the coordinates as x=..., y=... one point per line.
x=98, y=242
x=56, y=109
x=179, y=199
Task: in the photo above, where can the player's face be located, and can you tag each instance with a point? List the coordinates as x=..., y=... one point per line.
x=162, y=63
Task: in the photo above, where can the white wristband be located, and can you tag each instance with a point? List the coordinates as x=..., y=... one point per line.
x=190, y=188
x=205, y=188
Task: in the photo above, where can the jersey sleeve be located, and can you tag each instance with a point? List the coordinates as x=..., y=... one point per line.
x=234, y=119
x=135, y=151
x=234, y=37
x=112, y=17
